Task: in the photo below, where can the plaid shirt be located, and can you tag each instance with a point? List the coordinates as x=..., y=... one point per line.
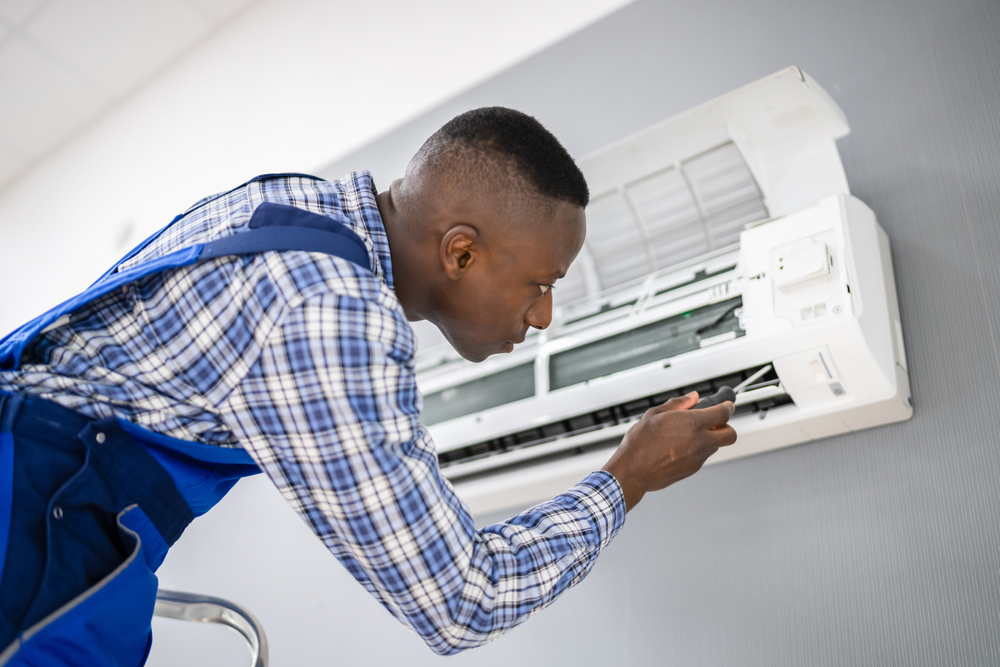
x=307, y=362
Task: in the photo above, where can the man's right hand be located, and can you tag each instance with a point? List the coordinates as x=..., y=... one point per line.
x=669, y=443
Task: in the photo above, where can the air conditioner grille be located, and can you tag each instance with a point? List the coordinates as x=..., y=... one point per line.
x=609, y=416
x=665, y=218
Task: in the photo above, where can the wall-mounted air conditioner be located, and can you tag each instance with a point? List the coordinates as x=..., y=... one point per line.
x=721, y=244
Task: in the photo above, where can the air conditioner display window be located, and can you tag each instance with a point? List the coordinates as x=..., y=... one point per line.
x=653, y=342
x=483, y=393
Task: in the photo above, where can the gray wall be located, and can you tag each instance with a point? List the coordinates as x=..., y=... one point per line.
x=875, y=548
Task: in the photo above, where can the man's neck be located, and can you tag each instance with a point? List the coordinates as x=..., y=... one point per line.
x=412, y=288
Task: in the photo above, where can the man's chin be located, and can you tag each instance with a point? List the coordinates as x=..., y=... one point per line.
x=481, y=354
x=476, y=356
x=476, y=352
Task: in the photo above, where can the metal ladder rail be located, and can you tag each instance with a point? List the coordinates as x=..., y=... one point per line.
x=207, y=609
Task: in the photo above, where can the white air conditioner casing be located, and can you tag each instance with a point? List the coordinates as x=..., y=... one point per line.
x=750, y=252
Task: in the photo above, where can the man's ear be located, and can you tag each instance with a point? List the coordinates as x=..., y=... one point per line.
x=459, y=249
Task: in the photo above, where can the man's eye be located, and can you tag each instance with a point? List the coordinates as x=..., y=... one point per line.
x=546, y=288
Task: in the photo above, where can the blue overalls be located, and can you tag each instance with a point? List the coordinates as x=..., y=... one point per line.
x=88, y=508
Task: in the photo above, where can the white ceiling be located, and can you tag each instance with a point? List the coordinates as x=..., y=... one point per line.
x=65, y=62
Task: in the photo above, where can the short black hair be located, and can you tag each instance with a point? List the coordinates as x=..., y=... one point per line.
x=537, y=156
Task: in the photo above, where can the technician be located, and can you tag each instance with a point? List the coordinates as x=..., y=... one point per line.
x=267, y=329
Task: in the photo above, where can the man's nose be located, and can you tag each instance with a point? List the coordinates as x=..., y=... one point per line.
x=539, y=315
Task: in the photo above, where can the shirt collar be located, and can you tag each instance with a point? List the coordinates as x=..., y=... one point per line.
x=358, y=194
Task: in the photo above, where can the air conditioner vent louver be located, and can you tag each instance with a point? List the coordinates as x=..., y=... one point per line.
x=529, y=443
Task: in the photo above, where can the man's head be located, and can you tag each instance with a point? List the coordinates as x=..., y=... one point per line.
x=487, y=217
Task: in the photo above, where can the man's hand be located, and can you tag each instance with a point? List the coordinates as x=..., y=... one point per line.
x=669, y=443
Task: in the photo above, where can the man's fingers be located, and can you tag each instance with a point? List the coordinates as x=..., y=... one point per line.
x=684, y=402
x=717, y=415
x=724, y=435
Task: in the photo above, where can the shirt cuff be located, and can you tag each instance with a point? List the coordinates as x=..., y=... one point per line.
x=601, y=496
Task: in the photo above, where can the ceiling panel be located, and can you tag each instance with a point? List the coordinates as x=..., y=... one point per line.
x=64, y=62
x=117, y=43
x=16, y=11
x=51, y=100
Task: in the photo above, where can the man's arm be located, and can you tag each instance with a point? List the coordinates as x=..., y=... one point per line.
x=330, y=411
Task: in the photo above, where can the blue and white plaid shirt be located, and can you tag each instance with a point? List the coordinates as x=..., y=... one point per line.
x=307, y=362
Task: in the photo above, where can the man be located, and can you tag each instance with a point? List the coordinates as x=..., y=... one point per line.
x=203, y=357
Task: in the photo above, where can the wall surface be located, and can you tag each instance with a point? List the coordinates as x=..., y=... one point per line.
x=875, y=548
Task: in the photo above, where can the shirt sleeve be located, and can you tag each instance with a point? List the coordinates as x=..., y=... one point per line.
x=330, y=412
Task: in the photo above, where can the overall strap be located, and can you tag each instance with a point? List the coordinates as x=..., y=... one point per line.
x=281, y=227
x=273, y=227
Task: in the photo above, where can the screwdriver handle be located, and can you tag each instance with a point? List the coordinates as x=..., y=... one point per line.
x=724, y=394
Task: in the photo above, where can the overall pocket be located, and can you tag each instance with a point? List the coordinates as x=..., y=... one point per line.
x=93, y=515
x=107, y=624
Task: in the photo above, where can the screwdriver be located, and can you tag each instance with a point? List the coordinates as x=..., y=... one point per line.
x=729, y=394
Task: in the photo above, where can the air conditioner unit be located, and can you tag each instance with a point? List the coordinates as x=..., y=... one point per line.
x=722, y=244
